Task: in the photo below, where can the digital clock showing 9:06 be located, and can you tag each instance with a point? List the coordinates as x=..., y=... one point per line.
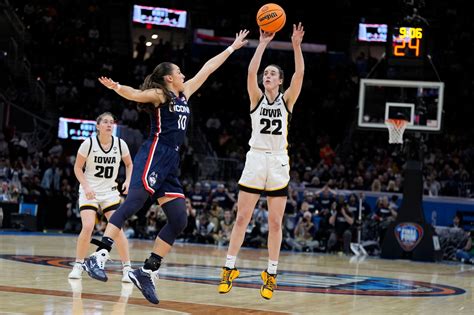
x=407, y=42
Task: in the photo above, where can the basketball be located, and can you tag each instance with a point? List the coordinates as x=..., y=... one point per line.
x=271, y=17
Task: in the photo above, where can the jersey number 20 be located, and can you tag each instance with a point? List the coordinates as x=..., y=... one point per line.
x=267, y=124
x=104, y=171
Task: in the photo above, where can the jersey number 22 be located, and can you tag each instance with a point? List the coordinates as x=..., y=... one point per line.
x=267, y=124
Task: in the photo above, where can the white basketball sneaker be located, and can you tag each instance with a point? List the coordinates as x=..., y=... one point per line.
x=76, y=272
x=125, y=277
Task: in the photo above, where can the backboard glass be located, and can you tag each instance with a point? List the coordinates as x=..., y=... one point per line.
x=418, y=102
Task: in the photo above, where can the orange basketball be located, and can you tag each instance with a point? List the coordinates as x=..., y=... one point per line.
x=271, y=17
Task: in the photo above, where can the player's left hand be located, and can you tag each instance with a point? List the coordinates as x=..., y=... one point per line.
x=124, y=190
x=298, y=33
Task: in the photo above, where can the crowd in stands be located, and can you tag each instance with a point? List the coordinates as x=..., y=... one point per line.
x=76, y=47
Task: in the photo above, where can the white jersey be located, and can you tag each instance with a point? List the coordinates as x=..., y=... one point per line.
x=102, y=166
x=270, y=125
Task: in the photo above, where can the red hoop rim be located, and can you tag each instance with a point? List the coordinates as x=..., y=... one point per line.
x=397, y=122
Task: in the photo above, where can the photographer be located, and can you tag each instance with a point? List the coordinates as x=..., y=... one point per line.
x=465, y=253
x=155, y=220
x=341, y=219
x=205, y=230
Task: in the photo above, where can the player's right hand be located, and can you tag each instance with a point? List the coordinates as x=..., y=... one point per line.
x=109, y=83
x=240, y=39
x=266, y=37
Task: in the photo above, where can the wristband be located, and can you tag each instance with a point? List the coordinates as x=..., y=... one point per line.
x=230, y=49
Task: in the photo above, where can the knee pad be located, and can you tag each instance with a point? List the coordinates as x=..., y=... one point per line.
x=175, y=211
x=134, y=202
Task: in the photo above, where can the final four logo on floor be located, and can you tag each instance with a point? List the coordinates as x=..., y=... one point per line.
x=291, y=281
x=408, y=235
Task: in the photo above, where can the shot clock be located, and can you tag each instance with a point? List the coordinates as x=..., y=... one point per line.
x=407, y=42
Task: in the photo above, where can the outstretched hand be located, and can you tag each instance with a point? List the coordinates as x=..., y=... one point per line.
x=240, y=40
x=109, y=83
x=298, y=33
x=266, y=37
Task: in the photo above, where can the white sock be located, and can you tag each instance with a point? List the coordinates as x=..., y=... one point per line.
x=230, y=261
x=272, y=267
x=126, y=264
x=79, y=261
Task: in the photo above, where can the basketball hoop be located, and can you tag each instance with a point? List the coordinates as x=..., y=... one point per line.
x=396, y=128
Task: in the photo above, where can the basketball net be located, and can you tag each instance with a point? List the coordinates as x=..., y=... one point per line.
x=396, y=128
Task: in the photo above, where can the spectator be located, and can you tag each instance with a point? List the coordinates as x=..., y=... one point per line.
x=205, y=230
x=225, y=228
x=305, y=232
x=141, y=48
x=431, y=186
x=20, y=146
x=130, y=116
x=73, y=222
x=5, y=193
x=260, y=216
x=341, y=219
x=326, y=197
x=128, y=229
x=56, y=150
x=151, y=225
x=465, y=253
x=3, y=146
x=376, y=185
x=216, y=213
x=52, y=177
x=222, y=196
x=384, y=215
x=198, y=197
x=190, y=229
x=457, y=221
x=327, y=154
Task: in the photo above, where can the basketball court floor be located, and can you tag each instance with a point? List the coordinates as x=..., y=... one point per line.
x=34, y=270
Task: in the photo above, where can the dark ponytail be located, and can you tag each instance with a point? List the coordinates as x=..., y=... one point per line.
x=156, y=80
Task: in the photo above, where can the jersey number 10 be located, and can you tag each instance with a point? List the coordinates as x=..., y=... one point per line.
x=182, y=122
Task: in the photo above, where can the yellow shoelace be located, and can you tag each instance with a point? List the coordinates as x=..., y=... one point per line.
x=270, y=283
x=226, y=275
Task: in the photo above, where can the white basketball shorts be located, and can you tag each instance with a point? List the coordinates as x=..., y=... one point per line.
x=104, y=201
x=266, y=171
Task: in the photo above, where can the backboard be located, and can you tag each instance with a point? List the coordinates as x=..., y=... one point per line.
x=418, y=102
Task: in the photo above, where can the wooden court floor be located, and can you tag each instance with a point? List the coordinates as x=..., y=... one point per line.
x=34, y=271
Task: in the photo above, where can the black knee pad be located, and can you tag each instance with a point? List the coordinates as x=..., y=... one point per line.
x=175, y=211
x=134, y=202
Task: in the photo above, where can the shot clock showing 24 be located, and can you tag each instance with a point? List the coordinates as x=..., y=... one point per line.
x=407, y=42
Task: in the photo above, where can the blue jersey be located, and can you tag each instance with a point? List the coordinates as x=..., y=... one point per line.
x=156, y=164
x=169, y=122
